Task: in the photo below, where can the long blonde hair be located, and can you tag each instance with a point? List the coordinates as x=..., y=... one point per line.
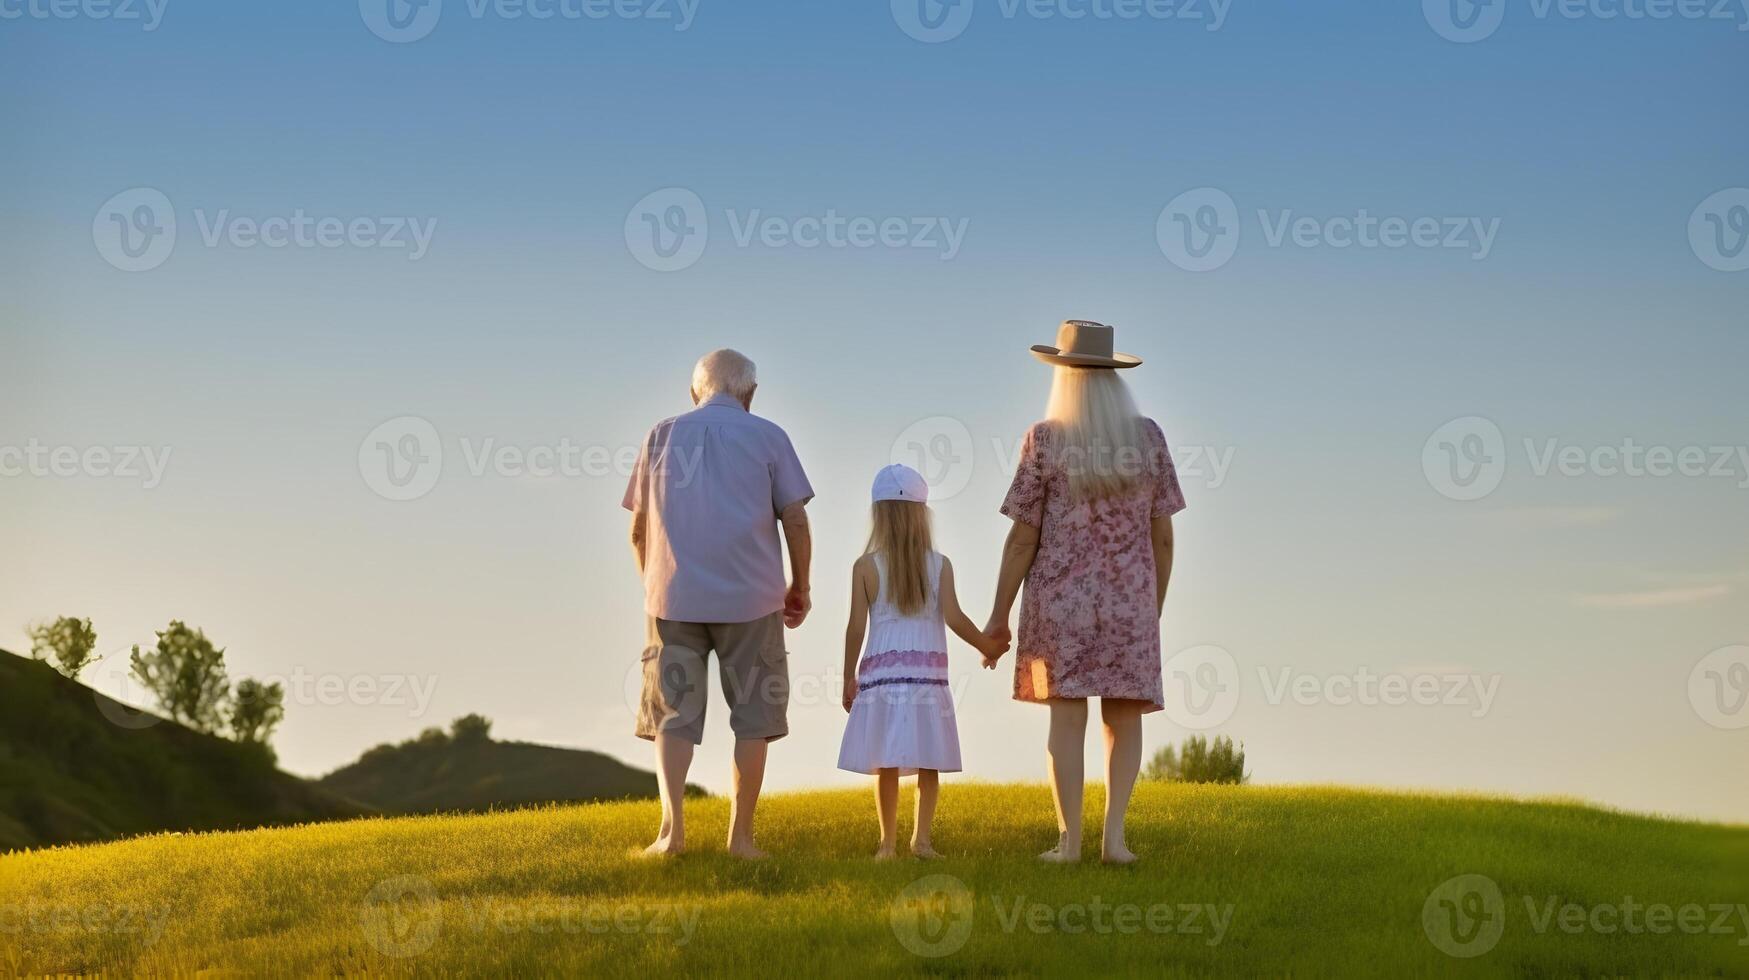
x=901, y=537
x=1099, y=431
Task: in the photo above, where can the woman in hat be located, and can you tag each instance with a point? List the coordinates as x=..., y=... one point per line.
x=1092, y=504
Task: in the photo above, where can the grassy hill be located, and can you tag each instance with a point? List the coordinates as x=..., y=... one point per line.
x=68, y=772
x=1234, y=881
x=438, y=774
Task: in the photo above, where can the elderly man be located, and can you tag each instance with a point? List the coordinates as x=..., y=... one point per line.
x=708, y=493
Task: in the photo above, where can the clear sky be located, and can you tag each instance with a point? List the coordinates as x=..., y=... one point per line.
x=522, y=230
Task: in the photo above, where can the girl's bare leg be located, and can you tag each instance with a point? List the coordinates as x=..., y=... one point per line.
x=887, y=808
x=928, y=790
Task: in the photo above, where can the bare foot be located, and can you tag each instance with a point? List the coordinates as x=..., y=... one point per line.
x=664, y=847
x=886, y=852
x=924, y=851
x=746, y=851
x=1117, y=854
x=1057, y=855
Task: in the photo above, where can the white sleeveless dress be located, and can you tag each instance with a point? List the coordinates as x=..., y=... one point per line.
x=903, y=714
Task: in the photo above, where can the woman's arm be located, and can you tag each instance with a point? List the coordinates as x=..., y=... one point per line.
x=992, y=648
x=853, y=633
x=1017, y=555
x=1161, y=535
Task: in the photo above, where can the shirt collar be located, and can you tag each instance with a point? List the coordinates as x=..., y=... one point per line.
x=723, y=399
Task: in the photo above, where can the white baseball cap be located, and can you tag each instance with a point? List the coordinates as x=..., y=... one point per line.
x=900, y=482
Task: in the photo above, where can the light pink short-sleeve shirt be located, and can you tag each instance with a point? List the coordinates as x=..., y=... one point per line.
x=710, y=485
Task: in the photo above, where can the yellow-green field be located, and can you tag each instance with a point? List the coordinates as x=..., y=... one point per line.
x=1233, y=881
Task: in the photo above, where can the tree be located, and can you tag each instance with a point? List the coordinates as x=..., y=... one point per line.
x=187, y=676
x=472, y=728
x=1200, y=762
x=256, y=710
x=65, y=643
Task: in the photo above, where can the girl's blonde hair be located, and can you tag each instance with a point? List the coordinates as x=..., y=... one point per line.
x=900, y=536
x=1099, y=431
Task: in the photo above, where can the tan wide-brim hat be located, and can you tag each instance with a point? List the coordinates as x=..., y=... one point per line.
x=1084, y=343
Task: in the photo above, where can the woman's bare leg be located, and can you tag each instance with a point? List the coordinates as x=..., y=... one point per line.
x=1067, y=742
x=928, y=790
x=1123, y=760
x=887, y=808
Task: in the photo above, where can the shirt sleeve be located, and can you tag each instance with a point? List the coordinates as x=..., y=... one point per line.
x=789, y=483
x=1168, y=496
x=1026, y=495
x=635, y=487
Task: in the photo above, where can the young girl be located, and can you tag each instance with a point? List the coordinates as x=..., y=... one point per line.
x=901, y=712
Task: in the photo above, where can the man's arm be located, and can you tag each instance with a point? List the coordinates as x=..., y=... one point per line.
x=640, y=531
x=796, y=602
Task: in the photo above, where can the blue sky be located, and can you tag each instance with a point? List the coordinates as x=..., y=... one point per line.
x=526, y=147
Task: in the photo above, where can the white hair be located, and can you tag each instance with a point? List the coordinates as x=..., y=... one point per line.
x=724, y=372
x=1099, y=429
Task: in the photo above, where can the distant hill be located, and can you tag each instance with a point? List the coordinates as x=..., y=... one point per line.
x=70, y=774
x=438, y=773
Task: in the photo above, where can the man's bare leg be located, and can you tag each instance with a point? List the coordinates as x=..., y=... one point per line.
x=673, y=759
x=749, y=776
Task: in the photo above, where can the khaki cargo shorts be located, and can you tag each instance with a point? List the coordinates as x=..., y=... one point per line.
x=752, y=666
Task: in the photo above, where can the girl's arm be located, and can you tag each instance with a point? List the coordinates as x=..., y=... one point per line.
x=990, y=647
x=853, y=633
x=1017, y=555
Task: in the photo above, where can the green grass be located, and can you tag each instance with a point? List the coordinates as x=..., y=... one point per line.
x=1309, y=881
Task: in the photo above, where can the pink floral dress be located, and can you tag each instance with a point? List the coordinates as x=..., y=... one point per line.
x=1088, y=624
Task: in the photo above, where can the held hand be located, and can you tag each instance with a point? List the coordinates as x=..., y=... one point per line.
x=996, y=643
x=796, y=603
x=849, y=691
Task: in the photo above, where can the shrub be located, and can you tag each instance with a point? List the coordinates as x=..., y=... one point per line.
x=1200, y=762
x=186, y=673
x=65, y=643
